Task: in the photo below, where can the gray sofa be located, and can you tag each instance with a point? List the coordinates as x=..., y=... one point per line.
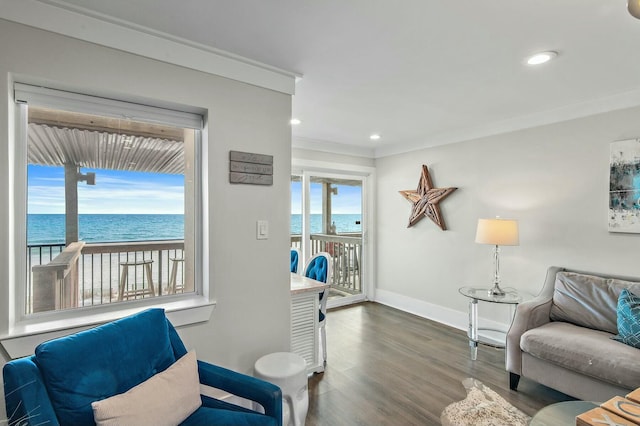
x=562, y=338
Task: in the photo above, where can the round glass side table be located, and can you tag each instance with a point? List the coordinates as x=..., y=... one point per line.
x=561, y=413
x=511, y=297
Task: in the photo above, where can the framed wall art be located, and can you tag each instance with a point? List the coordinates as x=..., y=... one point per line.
x=624, y=186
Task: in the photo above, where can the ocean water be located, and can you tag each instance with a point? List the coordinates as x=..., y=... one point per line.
x=103, y=228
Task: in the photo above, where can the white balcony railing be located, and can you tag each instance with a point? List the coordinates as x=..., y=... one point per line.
x=346, y=252
x=81, y=274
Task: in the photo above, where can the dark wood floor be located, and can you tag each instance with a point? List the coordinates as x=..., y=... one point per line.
x=388, y=367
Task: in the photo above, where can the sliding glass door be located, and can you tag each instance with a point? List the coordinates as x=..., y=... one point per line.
x=327, y=216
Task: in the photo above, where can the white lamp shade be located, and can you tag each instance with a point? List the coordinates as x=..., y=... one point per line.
x=634, y=7
x=500, y=232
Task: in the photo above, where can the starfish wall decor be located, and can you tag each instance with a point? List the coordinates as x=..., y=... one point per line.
x=425, y=200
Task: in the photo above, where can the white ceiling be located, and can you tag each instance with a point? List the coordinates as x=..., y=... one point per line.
x=419, y=72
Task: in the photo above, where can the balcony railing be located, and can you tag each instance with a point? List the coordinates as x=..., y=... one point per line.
x=346, y=252
x=97, y=272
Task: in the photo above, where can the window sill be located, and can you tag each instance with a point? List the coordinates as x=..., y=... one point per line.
x=22, y=339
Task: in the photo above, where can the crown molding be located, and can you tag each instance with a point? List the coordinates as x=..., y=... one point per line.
x=82, y=24
x=331, y=147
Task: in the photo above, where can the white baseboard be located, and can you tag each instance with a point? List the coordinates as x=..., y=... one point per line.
x=344, y=301
x=441, y=314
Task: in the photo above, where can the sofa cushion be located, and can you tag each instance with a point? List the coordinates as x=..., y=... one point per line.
x=102, y=362
x=589, y=352
x=628, y=319
x=165, y=399
x=588, y=300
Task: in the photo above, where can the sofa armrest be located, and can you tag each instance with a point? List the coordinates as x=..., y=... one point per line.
x=26, y=398
x=266, y=394
x=529, y=315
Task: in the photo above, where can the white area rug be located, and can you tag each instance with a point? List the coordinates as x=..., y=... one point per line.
x=482, y=407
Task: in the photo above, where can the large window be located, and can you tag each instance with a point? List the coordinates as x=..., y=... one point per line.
x=111, y=200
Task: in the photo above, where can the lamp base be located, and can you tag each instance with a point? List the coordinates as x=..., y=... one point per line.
x=496, y=291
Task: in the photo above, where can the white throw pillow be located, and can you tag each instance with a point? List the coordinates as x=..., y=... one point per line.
x=167, y=398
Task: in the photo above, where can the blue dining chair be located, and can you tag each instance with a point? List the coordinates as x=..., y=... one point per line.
x=295, y=259
x=319, y=268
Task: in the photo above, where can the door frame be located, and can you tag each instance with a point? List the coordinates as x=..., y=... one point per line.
x=306, y=168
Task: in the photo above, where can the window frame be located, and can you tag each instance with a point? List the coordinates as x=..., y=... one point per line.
x=27, y=330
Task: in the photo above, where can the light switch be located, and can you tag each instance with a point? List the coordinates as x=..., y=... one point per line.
x=262, y=230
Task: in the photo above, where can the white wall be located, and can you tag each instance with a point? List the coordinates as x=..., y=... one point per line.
x=249, y=279
x=553, y=179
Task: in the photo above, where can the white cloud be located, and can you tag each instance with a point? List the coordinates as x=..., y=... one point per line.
x=108, y=197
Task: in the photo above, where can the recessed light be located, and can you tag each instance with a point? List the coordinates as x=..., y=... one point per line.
x=295, y=121
x=374, y=137
x=541, y=58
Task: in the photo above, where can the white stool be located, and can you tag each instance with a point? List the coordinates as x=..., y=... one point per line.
x=288, y=371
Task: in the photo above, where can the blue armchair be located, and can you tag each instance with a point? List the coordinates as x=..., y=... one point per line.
x=57, y=385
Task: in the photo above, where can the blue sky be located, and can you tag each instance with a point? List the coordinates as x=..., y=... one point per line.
x=347, y=201
x=115, y=192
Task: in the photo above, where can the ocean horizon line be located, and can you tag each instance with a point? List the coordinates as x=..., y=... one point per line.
x=49, y=228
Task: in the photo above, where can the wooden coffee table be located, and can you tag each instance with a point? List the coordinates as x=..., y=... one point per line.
x=561, y=413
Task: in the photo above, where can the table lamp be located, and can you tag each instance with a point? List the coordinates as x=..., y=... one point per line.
x=498, y=232
x=634, y=8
